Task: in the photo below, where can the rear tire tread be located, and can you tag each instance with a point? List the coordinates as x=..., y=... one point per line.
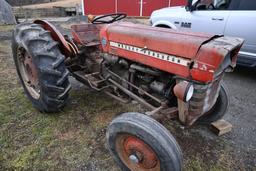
x=44, y=33
x=53, y=72
x=58, y=62
x=53, y=88
x=50, y=63
x=52, y=45
x=61, y=96
x=63, y=78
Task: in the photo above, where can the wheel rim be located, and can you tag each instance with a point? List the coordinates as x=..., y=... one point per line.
x=136, y=154
x=28, y=73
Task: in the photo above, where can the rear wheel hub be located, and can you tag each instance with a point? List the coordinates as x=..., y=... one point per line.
x=29, y=73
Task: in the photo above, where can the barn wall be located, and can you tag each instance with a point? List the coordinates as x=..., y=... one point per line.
x=131, y=7
x=178, y=2
x=98, y=7
x=150, y=5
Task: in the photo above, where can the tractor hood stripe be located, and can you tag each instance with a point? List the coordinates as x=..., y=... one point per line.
x=150, y=53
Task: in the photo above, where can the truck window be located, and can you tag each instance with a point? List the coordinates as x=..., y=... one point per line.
x=221, y=4
x=212, y=4
x=234, y=4
x=247, y=5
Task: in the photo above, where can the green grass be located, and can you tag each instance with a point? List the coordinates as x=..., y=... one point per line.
x=30, y=139
x=197, y=164
x=4, y=48
x=5, y=28
x=69, y=140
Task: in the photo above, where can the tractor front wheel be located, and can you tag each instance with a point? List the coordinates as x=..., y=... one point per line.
x=138, y=143
x=41, y=68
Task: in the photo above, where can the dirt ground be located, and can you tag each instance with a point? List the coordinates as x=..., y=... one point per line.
x=74, y=139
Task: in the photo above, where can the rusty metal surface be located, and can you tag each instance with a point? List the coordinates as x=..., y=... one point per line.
x=31, y=70
x=125, y=101
x=204, y=98
x=163, y=113
x=57, y=36
x=190, y=55
x=135, y=87
x=29, y=73
x=132, y=95
x=86, y=34
x=158, y=39
x=128, y=145
x=180, y=90
x=211, y=56
x=92, y=80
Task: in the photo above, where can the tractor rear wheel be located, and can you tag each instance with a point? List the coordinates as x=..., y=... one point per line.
x=41, y=68
x=138, y=143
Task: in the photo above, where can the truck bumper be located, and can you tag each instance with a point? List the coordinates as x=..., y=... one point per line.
x=246, y=60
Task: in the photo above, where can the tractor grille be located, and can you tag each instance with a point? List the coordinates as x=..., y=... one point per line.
x=204, y=98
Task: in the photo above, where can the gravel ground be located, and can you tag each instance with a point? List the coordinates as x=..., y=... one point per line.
x=202, y=149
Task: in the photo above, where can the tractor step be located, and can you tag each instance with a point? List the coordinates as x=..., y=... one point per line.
x=94, y=80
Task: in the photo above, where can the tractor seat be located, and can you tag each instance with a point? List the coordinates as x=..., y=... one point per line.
x=86, y=34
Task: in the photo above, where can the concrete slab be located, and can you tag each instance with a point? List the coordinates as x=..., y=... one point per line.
x=6, y=14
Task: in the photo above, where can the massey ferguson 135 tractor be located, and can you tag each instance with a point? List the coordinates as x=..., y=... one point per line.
x=170, y=73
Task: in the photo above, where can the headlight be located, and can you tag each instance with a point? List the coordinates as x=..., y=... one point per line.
x=184, y=90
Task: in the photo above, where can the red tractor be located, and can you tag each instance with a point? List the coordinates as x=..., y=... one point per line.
x=171, y=73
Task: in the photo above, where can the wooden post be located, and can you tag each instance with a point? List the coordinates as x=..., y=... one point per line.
x=141, y=8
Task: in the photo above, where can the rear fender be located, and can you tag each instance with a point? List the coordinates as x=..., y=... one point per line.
x=64, y=46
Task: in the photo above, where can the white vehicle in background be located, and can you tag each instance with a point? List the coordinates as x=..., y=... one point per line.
x=225, y=17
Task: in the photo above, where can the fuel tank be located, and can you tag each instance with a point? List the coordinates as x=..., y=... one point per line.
x=194, y=56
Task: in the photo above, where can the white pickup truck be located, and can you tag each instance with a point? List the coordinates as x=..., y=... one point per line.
x=225, y=17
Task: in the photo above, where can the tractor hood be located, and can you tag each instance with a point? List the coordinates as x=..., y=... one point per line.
x=158, y=39
x=191, y=55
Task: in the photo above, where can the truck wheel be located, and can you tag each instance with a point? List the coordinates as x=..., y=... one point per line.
x=138, y=143
x=41, y=68
x=219, y=109
x=164, y=26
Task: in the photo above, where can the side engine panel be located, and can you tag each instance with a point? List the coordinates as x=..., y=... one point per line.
x=146, y=79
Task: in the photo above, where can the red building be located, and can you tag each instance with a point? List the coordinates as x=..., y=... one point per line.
x=131, y=7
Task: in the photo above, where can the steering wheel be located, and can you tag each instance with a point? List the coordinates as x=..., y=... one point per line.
x=115, y=17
